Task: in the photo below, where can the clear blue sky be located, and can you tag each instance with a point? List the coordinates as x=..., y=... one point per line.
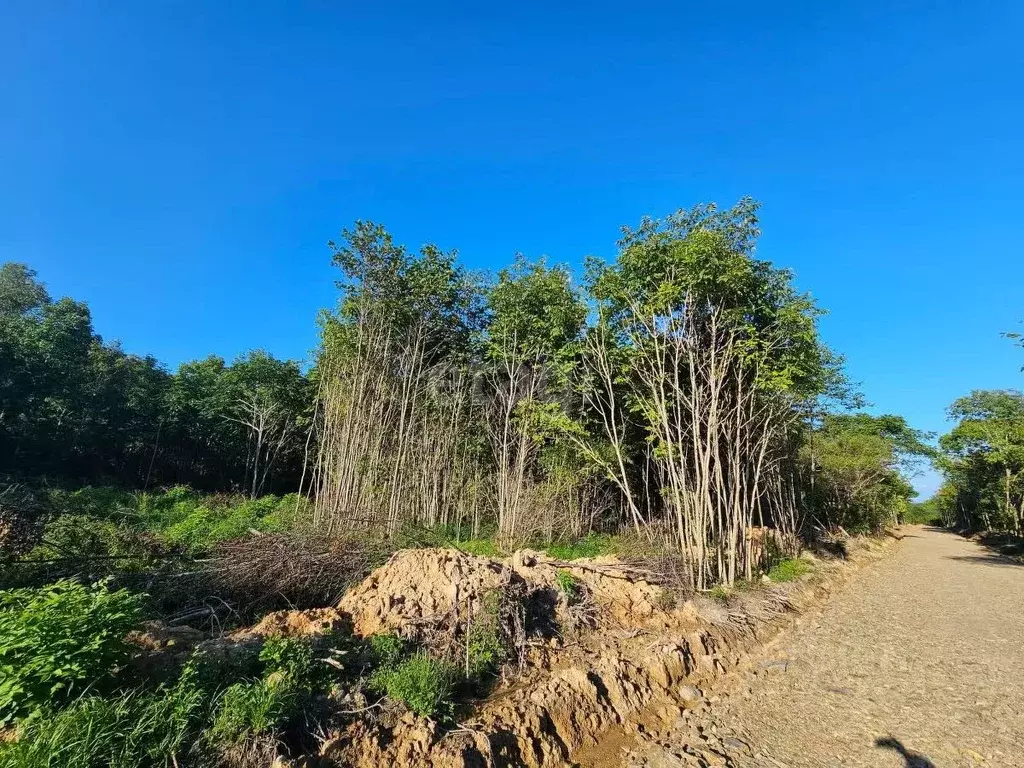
x=181, y=165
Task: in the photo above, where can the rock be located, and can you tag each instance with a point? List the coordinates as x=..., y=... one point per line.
x=689, y=696
x=732, y=744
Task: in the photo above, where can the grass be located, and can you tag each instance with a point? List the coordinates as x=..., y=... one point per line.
x=790, y=569
x=426, y=685
x=593, y=545
x=479, y=547
x=123, y=731
x=256, y=708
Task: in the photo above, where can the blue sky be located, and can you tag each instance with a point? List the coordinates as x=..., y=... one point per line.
x=180, y=166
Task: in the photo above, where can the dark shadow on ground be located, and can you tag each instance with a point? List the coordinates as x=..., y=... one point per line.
x=1001, y=549
x=911, y=758
x=993, y=560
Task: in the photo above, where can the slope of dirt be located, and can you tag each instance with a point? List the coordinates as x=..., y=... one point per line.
x=643, y=660
x=918, y=663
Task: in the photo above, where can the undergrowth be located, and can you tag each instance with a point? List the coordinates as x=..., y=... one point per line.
x=425, y=684
x=790, y=569
x=59, y=640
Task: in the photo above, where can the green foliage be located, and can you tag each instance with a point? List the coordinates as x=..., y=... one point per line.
x=58, y=640
x=426, y=685
x=291, y=657
x=388, y=649
x=256, y=708
x=855, y=470
x=923, y=513
x=704, y=257
x=983, y=461
x=569, y=586
x=479, y=547
x=428, y=291
x=87, y=410
x=487, y=647
x=593, y=545
x=536, y=315
x=790, y=569
x=122, y=731
x=719, y=592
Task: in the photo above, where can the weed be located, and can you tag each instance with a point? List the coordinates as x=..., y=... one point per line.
x=719, y=592
x=424, y=684
x=478, y=547
x=789, y=570
x=59, y=639
x=256, y=708
x=486, y=647
x=569, y=586
x=291, y=657
x=124, y=731
x=388, y=649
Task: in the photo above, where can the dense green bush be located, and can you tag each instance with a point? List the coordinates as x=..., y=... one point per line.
x=58, y=640
x=423, y=683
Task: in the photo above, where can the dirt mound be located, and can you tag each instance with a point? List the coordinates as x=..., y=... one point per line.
x=421, y=585
x=316, y=621
x=568, y=707
x=622, y=594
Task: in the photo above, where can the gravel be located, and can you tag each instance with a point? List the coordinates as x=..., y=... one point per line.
x=917, y=661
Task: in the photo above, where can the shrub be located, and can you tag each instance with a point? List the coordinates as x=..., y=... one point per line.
x=388, y=649
x=57, y=639
x=20, y=520
x=257, y=708
x=100, y=503
x=424, y=684
x=220, y=519
x=789, y=570
x=486, y=648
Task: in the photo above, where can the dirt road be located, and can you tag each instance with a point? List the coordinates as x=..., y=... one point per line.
x=917, y=661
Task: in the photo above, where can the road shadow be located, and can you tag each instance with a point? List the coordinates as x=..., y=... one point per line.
x=911, y=758
x=1001, y=550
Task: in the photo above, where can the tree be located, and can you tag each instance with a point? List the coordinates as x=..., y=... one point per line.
x=988, y=443
x=709, y=353
x=269, y=399
x=536, y=319
x=76, y=408
x=394, y=377
x=855, y=468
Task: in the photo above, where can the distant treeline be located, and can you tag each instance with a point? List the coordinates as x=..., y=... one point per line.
x=77, y=409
